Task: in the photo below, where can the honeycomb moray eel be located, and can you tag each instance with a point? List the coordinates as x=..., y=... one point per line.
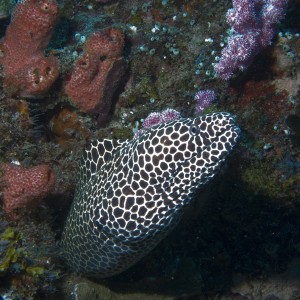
x=131, y=194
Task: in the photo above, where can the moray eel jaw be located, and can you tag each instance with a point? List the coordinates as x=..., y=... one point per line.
x=131, y=194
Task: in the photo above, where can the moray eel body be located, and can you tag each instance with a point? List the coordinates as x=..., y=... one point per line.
x=130, y=194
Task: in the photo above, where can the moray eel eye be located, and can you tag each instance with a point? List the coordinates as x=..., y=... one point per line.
x=194, y=129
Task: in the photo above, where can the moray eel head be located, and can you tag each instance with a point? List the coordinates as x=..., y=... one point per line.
x=131, y=194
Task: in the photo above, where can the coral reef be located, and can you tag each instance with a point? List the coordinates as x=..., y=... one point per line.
x=24, y=187
x=230, y=247
x=204, y=99
x=28, y=72
x=97, y=73
x=253, y=25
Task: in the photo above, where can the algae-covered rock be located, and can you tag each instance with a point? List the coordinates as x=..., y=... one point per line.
x=93, y=291
x=6, y=7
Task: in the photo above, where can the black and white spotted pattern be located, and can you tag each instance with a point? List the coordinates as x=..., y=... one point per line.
x=132, y=193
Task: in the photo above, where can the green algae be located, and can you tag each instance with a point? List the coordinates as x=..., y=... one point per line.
x=136, y=19
x=289, y=186
x=8, y=234
x=145, y=89
x=260, y=178
x=12, y=253
x=6, y=7
x=263, y=178
x=35, y=271
x=122, y=133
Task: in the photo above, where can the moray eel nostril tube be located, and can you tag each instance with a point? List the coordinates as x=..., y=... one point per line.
x=131, y=193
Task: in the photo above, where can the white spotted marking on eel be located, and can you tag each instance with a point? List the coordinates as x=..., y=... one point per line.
x=132, y=193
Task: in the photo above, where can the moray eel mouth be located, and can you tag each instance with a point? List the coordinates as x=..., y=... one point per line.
x=131, y=194
x=219, y=137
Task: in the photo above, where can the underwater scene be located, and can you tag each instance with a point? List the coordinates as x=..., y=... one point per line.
x=150, y=149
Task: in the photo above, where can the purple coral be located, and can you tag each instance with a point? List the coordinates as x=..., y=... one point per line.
x=152, y=120
x=155, y=118
x=160, y=117
x=204, y=99
x=169, y=114
x=254, y=24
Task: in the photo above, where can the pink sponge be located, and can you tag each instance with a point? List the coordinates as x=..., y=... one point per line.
x=24, y=187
